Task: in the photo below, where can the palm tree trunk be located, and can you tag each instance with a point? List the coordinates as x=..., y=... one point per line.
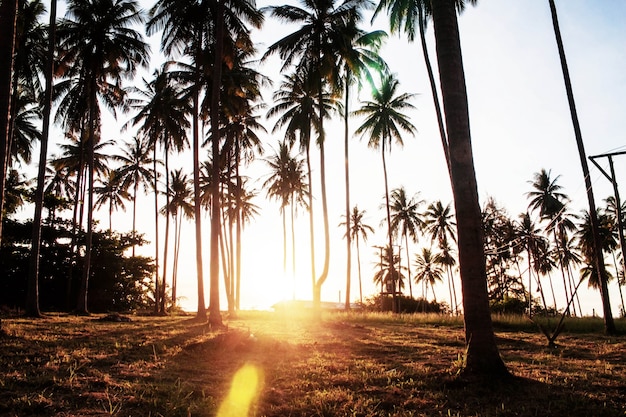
x=482, y=352
x=433, y=88
x=201, y=313
x=293, y=248
x=167, y=224
x=8, y=19
x=347, y=176
x=32, y=299
x=238, y=213
x=389, y=234
x=358, y=259
x=135, y=187
x=408, y=264
x=157, y=286
x=215, y=318
x=609, y=324
x=311, y=217
x=317, y=293
x=84, y=286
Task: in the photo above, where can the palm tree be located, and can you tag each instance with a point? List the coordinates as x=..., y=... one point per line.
x=482, y=352
x=389, y=275
x=532, y=240
x=180, y=206
x=99, y=49
x=314, y=47
x=286, y=185
x=135, y=170
x=296, y=105
x=163, y=116
x=204, y=29
x=609, y=323
x=113, y=192
x=384, y=122
x=551, y=203
x=406, y=221
x=358, y=230
x=358, y=56
x=428, y=270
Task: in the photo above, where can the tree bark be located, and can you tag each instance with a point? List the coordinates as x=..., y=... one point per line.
x=8, y=19
x=609, y=324
x=482, y=357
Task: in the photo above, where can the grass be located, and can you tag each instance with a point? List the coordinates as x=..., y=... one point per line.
x=346, y=365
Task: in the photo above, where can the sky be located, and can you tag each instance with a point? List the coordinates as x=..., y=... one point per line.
x=520, y=123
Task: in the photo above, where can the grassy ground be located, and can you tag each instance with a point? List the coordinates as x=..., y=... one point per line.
x=347, y=365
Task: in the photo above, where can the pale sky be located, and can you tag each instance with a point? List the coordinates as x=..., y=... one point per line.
x=519, y=120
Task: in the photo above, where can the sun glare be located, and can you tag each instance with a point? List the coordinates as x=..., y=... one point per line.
x=245, y=388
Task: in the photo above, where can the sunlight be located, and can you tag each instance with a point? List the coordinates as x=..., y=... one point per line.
x=243, y=391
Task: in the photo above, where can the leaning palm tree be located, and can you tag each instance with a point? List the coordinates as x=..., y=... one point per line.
x=384, y=122
x=482, y=355
x=314, y=48
x=406, y=221
x=358, y=230
x=99, y=49
x=597, y=256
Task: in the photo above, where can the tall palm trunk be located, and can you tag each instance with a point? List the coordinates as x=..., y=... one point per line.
x=317, y=288
x=32, y=298
x=347, y=176
x=392, y=271
x=408, y=264
x=157, y=284
x=358, y=259
x=238, y=231
x=135, y=189
x=75, y=226
x=293, y=246
x=311, y=217
x=433, y=87
x=8, y=19
x=167, y=225
x=215, y=318
x=84, y=285
x=201, y=313
x=609, y=324
x=482, y=352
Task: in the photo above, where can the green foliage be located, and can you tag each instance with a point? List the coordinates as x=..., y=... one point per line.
x=406, y=304
x=509, y=305
x=118, y=282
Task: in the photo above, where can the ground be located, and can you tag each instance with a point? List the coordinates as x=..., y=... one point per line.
x=356, y=365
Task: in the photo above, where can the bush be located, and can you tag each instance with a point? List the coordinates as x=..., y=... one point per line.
x=407, y=304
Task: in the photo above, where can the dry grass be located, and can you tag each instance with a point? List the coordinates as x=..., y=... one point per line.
x=346, y=365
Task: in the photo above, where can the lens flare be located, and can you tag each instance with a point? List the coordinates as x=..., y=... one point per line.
x=243, y=391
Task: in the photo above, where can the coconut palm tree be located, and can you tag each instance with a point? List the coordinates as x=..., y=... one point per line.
x=134, y=171
x=286, y=184
x=358, y=230
x=112, y=192
x=163, y=111
x=389, y=275
x=532, y=240
x=359, y=58
x=295, y=104
x=384, y=122
x=482, y=352
x=428, y=270
x=180, y=206
x=406, y=221
x=207, y=32
x=315, y=48
x=609, y=323
x=99, y=49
